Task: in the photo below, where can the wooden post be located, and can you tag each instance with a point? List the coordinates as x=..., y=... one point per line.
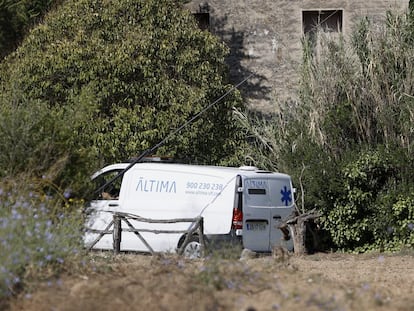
x=201, y=236
x=299, y=236
x=117, y=234
x=139, y=236
x=298, y=225
x=101, y=234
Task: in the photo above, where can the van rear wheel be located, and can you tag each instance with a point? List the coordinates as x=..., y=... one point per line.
x=192, y=249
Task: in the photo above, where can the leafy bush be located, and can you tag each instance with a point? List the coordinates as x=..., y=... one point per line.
x=139, y=69
x=47, y=141
x=393, y=229
x=350, y=219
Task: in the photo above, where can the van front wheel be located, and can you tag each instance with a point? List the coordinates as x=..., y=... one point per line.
x=192, y=249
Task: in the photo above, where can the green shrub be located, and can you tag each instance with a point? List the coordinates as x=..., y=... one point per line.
x=145, y=68
x=349, y=220
x=47, y=141
x=393, y=229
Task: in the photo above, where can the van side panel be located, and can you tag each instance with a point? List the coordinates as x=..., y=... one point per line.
x=171, y=194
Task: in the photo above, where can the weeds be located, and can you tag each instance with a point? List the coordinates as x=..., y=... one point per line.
x=222, y=269
x=39, y=234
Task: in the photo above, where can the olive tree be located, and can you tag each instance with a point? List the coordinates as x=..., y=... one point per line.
x=139, y=68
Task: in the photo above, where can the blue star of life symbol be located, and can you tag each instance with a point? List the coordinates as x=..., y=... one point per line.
x=286, y=195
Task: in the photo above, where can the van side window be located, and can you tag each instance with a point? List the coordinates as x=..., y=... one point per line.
x=111, y=191
x=257, y=191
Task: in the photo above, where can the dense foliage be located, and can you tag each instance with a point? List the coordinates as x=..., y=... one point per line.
x=117, y=77
x=16, y=17
x=349, y=141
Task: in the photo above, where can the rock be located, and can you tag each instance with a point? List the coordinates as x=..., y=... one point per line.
x=247, y=254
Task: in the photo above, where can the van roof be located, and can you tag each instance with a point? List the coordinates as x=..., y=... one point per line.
x=243, y=170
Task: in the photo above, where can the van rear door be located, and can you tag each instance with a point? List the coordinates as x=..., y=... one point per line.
x=267, y=202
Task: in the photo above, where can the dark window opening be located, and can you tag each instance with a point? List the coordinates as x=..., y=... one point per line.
x=328, y=22
x=256, y=191
x=111, y=191
x=203, y=20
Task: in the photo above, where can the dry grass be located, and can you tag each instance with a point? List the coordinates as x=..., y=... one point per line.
x=316, y=282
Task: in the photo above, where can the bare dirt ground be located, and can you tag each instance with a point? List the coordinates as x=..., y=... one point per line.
x=314, y=282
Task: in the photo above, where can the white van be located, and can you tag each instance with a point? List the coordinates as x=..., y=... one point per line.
x=236, y=203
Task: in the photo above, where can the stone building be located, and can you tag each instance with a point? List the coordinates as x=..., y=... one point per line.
x=265, y=37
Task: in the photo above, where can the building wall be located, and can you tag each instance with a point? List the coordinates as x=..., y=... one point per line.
x=264, y=37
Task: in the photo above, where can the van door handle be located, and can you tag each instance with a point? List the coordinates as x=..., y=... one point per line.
x=277, y=217
x=113, y=204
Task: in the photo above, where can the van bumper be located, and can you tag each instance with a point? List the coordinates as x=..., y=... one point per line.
x=231, y=237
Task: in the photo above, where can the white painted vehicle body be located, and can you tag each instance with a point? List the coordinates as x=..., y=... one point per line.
x=171, y=191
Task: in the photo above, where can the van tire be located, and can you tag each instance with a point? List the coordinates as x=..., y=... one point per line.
x=192, y=249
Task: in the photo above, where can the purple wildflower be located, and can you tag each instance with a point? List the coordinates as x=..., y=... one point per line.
x=67, y=193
